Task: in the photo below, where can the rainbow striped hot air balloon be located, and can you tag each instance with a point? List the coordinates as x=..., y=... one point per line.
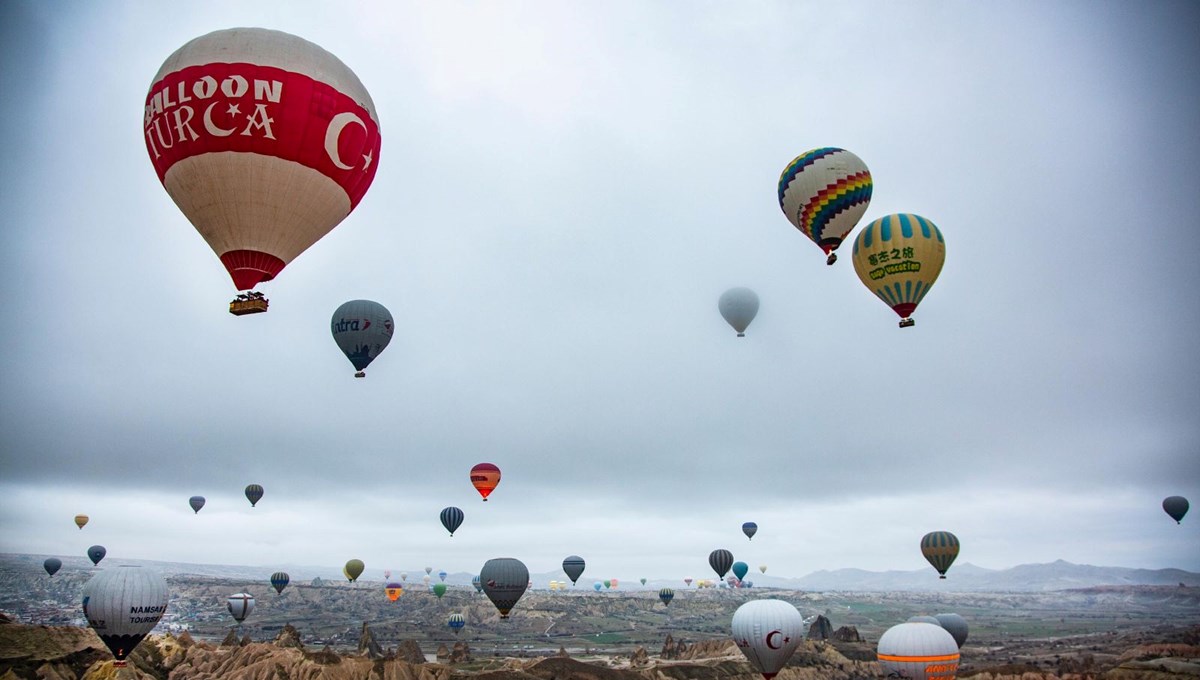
x=824, y=193
x=898, y=257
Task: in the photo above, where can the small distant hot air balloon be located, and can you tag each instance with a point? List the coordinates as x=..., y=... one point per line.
x=608, y=583
x=52, y=565
x=439, y=589
x=762, y=568
x=940, y=548
x=425, y=579
x=597, y=586
x=196, y=502
x=738, y=306
x=1176, y=507
x=750, y=528
x=442, y=575
x=504, y=580
x=918, y=650
x=688, y=581
x=456, y=622
x=452, y=519
x=615, y=583
x=642, y=580
x=404, y=576
x=265, y=141
x=824, y=192
x=81, y=520
x=394, y=591
x=354, y=569
x=240, y=605
x=279, y=581
x=362, y=329
x=96, y=553
x=573, y=566
x=428, y=570
x=485, y=477
x=387, y=573
x=767, y=632
x=477, y=583
x=898, y=257
x=666, y=595
x=955, y=625
x=254, y=494
x=720, y=560
x=123, y=605
x=740, y=569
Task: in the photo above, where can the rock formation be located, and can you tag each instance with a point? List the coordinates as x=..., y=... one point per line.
x=367, y=646
x=821, y=629
x=288, y=638
x=847, y=634
x=410, y=652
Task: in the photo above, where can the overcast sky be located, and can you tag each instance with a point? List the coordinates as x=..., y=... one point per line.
x=564, y=190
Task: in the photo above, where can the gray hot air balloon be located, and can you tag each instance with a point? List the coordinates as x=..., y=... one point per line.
x=955, y=625
x=720, y=560
x=96, y=553
x=52, y=565
x=122, y=605
x=767, y=632
x=361, y=329
x=240, y=605
x=254, y=494
x=573, y=566
x=739, y=307
x=196, y=502
x=1176, y=507
x=504, y=580
x=452, y=519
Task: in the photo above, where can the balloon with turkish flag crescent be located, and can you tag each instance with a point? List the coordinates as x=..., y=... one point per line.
x=265, y=141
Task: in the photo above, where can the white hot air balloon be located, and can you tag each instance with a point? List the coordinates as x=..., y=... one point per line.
x=921, y=651
x=123, y=605
x=767, y=632
x=739, y=306
x=240, y=605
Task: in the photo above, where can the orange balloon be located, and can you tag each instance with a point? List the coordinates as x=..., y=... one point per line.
x=485, y=477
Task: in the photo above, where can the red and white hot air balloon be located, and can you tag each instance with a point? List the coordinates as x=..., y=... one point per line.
x=265, y=141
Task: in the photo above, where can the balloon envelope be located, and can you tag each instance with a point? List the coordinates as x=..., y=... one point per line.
x=452, y=519
x=720, y=560
x=96, y=553
x=898, y=258
x=442, y=575
x=354, y=569
x=81, y=520
x=477, y=583
x=940, y=548
x=504, y=581
x=394, y=591
x=666, y=595
x=279, y=581
x=52, y=565
x=767, y=632
x=264, y=141
x=597, y=586
x=918, y=650
x=738, y=306
x=956, y=626
x=1176, y=507
x=362, y=329
x=439, y=589
x=240, y=605
x=824, y=193
x=573, y=566
x=254, y=494
x=196, y=502
x=485, y=477
x=740, y=569
x=456, y=621
x=123, y=605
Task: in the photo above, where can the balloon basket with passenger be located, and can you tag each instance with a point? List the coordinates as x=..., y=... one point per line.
x=251, y=302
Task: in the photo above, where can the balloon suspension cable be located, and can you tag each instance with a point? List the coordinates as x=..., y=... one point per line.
x=831, y=259
x=907, y=322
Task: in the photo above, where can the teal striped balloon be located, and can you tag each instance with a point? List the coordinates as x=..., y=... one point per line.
x=940, y=548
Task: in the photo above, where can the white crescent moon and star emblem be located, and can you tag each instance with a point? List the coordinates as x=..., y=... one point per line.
x=771, y=635
x=334, y=132
x=211, y=127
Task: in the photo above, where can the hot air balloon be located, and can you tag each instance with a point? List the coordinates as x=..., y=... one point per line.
x=354, y=569
x=642, y=580
x=597, y=586
x=740, y=569
x=456, y=622
x=762, y=568
x=96, y=553
x=955, y=625
x=767, y=632
x=452, y=519
x=442, y=575
x=918, y=650
x=404, y=576
x=504, y=581
x=485, y=477
x=898, y=257
x=615, y=583
x=52, y=565
x=279, y=581
x=196, y=502
x=428, y=570
x=123, y=605
x=824, y=192
x=387, y=573
x=425, y=579
x=720, y=560
x=1176, y=507
x=265, y=141
x=240, y=605
x=477, y=583
x=394, y=591
x=666, y=595
x=940, y=548
x=81, y=520
x=254, y=494
x=573, y=566
x=738, y=306
x=362, y=329
x=688, y=581
x=608, y=583
x=439, y=589
x=750, y=528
